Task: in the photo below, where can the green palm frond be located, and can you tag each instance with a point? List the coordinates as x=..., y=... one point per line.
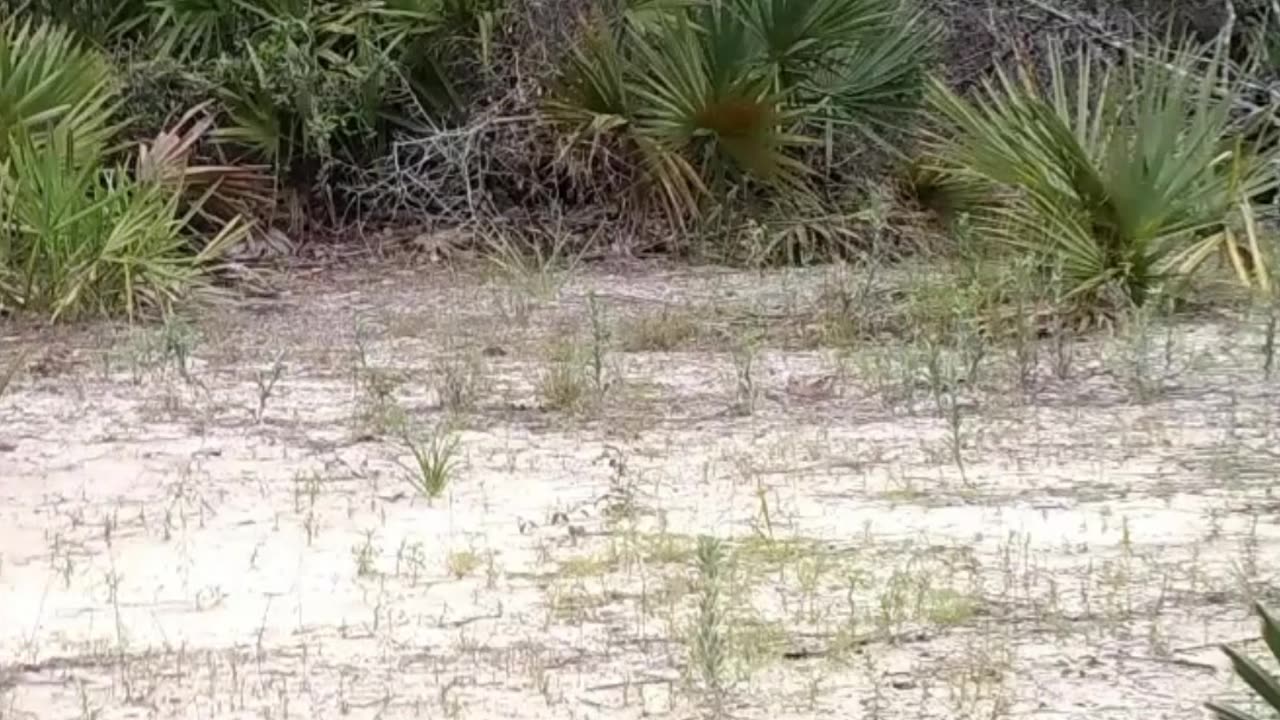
x=80, y=238
x=101, y=23
x=220, y=194
x=799, y=34
x=48, y=78
x=876, y=84
x=593, y=89
x=710, y=94
x=701, y=93
x=198, y=28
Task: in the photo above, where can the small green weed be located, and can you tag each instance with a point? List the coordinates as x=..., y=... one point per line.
x=709, y=645
x=462, y=563
x=435, y=462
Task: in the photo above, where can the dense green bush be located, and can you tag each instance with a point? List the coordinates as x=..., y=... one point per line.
x=80, y=236
x=80, y=231
x=304, y=82
x=762, y=127
x=701, y=96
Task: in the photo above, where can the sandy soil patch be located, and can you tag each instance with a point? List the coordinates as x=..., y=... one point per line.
x=217, y=520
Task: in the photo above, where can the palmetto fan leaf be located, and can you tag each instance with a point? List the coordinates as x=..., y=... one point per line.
x=709, y=93
x=47, y=78
x=593, y=90
x=1116, y=178
x=77, y=237
x=875, y=83
x=798, y=34
x=701, y=93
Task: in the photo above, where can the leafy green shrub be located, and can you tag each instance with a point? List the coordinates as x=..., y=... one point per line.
x=305, y=82
x=703, y=95
x=78, y=237
x=1123, y=178
x=1266, y=685
x=79, y=232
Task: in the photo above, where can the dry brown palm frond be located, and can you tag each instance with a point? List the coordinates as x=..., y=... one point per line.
x=223, y=191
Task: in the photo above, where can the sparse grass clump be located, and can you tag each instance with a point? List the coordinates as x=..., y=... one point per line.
x=658, y=332
x=377, y=409
x=537, y=264
x=459, y=380
x=573, y=378
x=462, y=563
x=563, y=386
x=435, y=461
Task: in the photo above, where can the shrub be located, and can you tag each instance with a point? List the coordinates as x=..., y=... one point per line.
x=1125, y=177
x=78, y=237
x=79, y=231
x=307, y=82
x=102, y=23
x=702, y=96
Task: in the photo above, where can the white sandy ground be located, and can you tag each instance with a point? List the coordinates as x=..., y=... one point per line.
x=164, y=553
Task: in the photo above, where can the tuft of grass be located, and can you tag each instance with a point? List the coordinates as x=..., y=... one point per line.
x=365, y=555
x=435, y=462
x=944, y=606
x=459, y=381
x=565, y=384
x=588, y=565
x=668, y=549
x=658, y=332
x=266, y=381
x=377, y=410
x=538, y=266
x=1262, y=681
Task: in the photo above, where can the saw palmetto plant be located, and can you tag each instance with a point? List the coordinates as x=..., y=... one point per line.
x=1121, y=174
x=79, y=236
x=1264, y=683
x=80, y=231
x=705, y=95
